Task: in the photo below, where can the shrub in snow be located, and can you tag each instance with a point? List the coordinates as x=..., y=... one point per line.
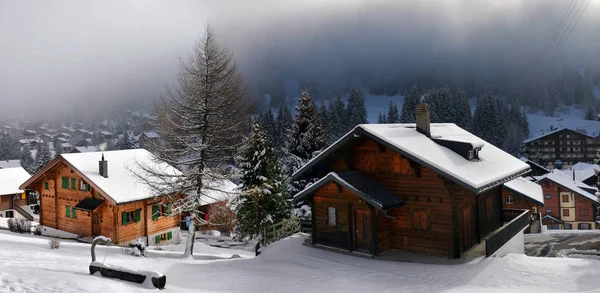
x=137, y=248
x=38, y=230
x=54, y=243
x=19, y=226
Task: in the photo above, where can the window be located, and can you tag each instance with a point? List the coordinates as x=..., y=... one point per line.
x=68, y=211
x=73, y=183
x=130, y=217
x=9, y=214
x=164, y=236
x=46, y=185
x=548, y=196
x=548, y=211
x=84, y=186
x=565, y=212
x=565, y=198
x=555, y=227
x=364, y=223
x=584, y=212
x=331, y=216
x=568, y=226
x=420, y=220
x=161, y=210
x=585, y=226
x=73, y=213
x=509, y=199
x=65, y=182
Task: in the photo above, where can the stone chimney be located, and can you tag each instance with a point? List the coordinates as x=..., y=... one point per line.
x=422, y=117
x=103, y=167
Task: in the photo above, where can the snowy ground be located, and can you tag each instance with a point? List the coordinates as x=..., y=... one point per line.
x=29, y=265
x=551, y=243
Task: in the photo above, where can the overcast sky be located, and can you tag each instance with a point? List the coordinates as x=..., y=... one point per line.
x=55, y=54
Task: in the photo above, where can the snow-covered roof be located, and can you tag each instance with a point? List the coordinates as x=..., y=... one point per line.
x=106, y=132
x=151, y=134
x=10, y=178
x=63, y=139
x=223, y=190
x=87, y=149
x=493, y=167
x=122, y=184
x=66, y=145
x=575, y=186
x=10, y=164
x=581, y=174
x=554, y=131
x=526, y=188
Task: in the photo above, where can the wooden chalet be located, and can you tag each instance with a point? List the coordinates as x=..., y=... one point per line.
x=96, y=193
x=524, y=193
x=215, y=209
x=15, y=202
x=569, y=204
x=426, y=188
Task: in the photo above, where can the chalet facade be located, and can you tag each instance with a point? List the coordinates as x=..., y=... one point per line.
x=426, y=188
x=15, y=202
x=568, y=204
x=96, y=193
x=562, y=148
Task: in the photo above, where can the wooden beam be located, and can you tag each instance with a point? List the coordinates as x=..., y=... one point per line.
x=477, y=221
x=351, y=225
x=312, y=219
x=374, y=233
x=455, y=220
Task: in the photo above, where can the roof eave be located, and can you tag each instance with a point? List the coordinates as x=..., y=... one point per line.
x=521, y=194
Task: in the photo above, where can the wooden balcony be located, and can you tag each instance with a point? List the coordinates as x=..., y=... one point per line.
x=517, y=221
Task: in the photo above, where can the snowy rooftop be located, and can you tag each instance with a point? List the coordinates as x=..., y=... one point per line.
x=122, y=184
x=526, y=188
x=106, y=132
x=10, y=179
x=575, y=186
x=87, y=149
x=493, y=168
x=10, y=164
x=151, y=134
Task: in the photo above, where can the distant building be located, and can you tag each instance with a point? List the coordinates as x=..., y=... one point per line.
x=10, y=164
x=14, y=202
x=562, y=148
x=85, y=149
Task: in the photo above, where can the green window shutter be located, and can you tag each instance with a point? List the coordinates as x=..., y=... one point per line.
x=154, y=212
x=73, y=183
x=74, y=214
x=137, y=215
x=46, y=185
x=169, y=235
x=65, y=182
x=169, y=205
x=87, y=187
x=157, y=239
x=123, y=218
x=68, y=208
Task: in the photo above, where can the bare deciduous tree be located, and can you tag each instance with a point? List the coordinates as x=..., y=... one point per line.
x=202, y=123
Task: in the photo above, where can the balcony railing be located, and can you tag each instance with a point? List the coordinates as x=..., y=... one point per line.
x=503, y=234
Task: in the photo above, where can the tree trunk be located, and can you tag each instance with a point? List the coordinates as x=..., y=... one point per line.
x=189, y=245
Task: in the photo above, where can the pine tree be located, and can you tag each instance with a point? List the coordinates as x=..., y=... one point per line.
x=484, y=120
x=356, y=110
x=26, y=160
x=307, y=132
x=42, y=157
x=337, y=119
x=9, y=147
x=284, y=127
x=393, y=116
x=125, y=143
x=324, y=119
x=440, y=103
x=568, y=94
x=267, y=123
x=263, y=199
x=202, y=124
x=411, y=99
x=58, y=149
x=381, y=119
x=462, y=116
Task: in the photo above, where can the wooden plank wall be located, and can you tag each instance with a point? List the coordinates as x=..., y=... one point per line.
x=132, y=230
x=82, y=225
x=163, y=223
x=6, y=202
x=47, y=203
x=519, y=202
x=490, y=210
x=421, y=188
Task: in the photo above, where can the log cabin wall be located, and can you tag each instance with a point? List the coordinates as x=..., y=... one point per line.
x=424, y=224
x=6, y=202
x=490, y=210
x=73, y=221
x=164, y=222
x=130, y=230
x=518, y=202
x=47, y=202
x=341, y=199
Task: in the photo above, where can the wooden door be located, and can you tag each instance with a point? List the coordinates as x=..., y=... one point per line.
x=468, y=230
x=96, y=224
x=362, y=230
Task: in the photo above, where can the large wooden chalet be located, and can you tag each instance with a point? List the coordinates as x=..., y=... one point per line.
x=425, y=188
x=97, y=193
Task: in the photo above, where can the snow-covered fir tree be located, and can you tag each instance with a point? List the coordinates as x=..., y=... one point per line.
x=42, y=157
x=484, y=119
x=267, y=122
x=462, y=110
x=26, y=160
x=393, y=115
x=381, y=119
x=308, y=134
x=356, y=109
x=263, y=199
x=10, y=148
x=411, y=99
x=202, y=123
x=337, y=119
x=325, y=121
x=125, y=142
x=58, y=149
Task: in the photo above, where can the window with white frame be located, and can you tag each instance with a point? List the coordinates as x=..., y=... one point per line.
x=331, y=216
x=509, y=199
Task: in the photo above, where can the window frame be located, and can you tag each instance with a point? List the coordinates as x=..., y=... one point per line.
x=509, y=199
x=73, y=183
x=65, y=182
x=587, y=212
x=547, y=196
x=417, y=217
x=548, y=211
x=566, y=213
x=46, y=185
x=328, y=216
x=563, y=198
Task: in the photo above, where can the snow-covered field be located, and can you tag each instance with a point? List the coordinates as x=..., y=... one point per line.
x=29, y=265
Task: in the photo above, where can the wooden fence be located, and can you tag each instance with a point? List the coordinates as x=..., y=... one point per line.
x=281, y=230
x=499, y=237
